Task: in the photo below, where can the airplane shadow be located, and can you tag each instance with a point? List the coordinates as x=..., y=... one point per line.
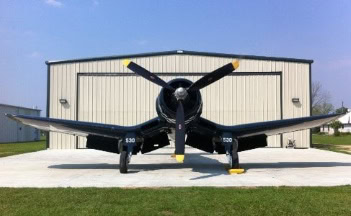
x=195, y=161
x=85, y=166
x=198, y=163
x=279, y=165
x=202, y=153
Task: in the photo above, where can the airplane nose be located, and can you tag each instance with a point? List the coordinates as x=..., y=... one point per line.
x=180, y=93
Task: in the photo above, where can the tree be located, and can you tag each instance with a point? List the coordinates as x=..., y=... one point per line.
x=341, y=110
x=323, y=108
x=320, y=100
x=336, y=125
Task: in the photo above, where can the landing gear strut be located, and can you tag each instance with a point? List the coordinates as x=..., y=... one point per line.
x=126, y=151
x=231, y=147
x=233, y=157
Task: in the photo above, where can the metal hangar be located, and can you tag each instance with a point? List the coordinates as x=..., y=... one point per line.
x=102, y=90
x=11, y=131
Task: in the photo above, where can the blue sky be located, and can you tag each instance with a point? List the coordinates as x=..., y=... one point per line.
x=32, y=32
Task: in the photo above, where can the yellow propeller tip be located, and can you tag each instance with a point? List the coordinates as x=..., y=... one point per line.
x=180, y=158
x=126, y=62
x=235, y=64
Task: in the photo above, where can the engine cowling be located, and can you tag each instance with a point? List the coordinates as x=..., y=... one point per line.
x=166, y=102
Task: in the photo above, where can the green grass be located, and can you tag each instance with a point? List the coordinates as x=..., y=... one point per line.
x=330, y=139
x=340, y=143
x=177, y=201
x=8, y=149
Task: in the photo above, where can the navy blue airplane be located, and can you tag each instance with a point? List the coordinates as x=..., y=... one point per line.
x=179, y=108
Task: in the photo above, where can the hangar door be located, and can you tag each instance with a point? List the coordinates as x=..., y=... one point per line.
x=127, y=99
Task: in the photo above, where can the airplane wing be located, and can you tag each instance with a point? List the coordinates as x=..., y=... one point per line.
x=279, y=126
x=101, y=136
x=81, y=128
x=252, y=131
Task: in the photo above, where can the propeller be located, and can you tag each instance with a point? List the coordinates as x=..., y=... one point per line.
x=180, y=133
x=146, y=74
x=214, y=76
x=180, y=94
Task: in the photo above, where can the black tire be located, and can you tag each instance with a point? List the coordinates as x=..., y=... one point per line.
x=120, y=146
x=123, y=162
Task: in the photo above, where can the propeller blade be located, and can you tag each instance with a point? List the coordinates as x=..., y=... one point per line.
x=146, y=74
x=214, y=76
x=180, y=133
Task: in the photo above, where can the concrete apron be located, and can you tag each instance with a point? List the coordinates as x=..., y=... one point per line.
x=91, y=168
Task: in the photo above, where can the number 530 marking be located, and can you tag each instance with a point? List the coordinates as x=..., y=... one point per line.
x=130, y=140
x=226, y=139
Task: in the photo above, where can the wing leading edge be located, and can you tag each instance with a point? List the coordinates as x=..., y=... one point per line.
x=206, y=135
x=271, y=127
x=85, y=129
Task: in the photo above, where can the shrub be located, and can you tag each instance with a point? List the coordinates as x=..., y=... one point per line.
x=336, y=125
x=316, y=130
x=345, y=133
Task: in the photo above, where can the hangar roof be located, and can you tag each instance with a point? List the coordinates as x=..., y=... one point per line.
x=181, y=52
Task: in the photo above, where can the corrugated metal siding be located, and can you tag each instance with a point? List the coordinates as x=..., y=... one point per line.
x=8, y=128
x=295, y=83
x=63, y=85
x=220, y=107
x=11, y=131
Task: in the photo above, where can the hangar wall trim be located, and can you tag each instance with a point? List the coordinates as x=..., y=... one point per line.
x=182, y=52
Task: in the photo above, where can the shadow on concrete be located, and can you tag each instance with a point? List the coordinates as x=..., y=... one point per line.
x=85, y=166
x=195, y=161
x=198, y=163
x=202, y=153
x=282, y=165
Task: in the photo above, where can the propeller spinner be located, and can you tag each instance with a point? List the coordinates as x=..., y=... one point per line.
x=180, y=93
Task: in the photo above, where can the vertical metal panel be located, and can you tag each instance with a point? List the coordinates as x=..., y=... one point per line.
x=296, y=85
x=59, y=76
x=72, y=92
x=48, y=102
x=52, y=89
x=54, y=104
x=111, y=97
x=21, y=128
x=64, y=106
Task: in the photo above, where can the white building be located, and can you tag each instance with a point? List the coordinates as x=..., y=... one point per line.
x=345, y=121
x=12, y=131
x=102, y=90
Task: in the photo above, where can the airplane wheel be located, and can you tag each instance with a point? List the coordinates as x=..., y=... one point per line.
x=123, y=162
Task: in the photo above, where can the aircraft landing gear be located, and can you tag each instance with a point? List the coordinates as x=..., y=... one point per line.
x=233, y=156
x=123, y=162
x=126, y=151
x=231, y=148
